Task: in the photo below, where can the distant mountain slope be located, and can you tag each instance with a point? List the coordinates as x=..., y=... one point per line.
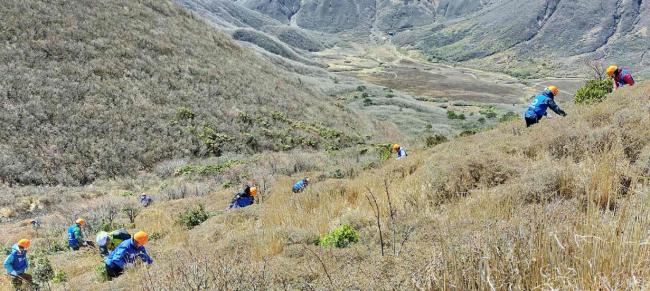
x=93, y=89
x=550, y=31
x=522, y=37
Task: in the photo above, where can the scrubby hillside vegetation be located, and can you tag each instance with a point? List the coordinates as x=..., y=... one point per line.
x=561, y=205
x=102, y=89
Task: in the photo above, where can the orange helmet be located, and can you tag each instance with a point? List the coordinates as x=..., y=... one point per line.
x=141, y=237
x=553, y=89
x=24, y=243
x=395, y=147
x=80, y=221
x=253, y=191
x=611, y=70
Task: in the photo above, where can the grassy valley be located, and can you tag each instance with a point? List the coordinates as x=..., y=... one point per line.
x=188, y=101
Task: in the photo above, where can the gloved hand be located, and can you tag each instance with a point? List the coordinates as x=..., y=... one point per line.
x=13, y=273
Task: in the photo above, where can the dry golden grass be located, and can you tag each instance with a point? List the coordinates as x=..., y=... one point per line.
x=562, y=205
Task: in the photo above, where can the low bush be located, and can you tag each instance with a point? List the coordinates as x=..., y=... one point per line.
x=101, y=272
x=193, y=217
x=434, y=140
x=42, y=271
x=489, y=112
x=60, y=276
x=454, y=115
x=508, y=117
x=340, y=237
x=593, y=92
x=383, y=151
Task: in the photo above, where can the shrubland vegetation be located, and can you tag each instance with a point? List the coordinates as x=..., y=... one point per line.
x=85, y=98
x=594, y=91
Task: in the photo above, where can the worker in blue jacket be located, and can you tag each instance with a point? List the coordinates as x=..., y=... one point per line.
x=16, y=264
x=537, y=109
x=126, y=254
x=300, y=185
x=401, y=152
x=244, y=198
x=75, y=235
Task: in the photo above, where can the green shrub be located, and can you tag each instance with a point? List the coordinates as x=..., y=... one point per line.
x=60, y=276
x=127, y=194
x=107, y=225
x=6, y=250
x=367, y=102
x=193, y=217
x=489, y=112
x=42, y=271
x=468, y=132
x=56, y=246
x=508, y=117
x=340, y=237
x=390, y=95
x=593, y=92
x=184, y=113
x=434, y=140
x=365, y=95
x=101, y=272
x=338, y=174
x=213, y=139
x=383, y=151
x=454, y=115
x=361, y=88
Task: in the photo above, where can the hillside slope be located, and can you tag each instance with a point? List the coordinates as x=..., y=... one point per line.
x=522, y=35
x=545, y=207
x=561, y=205
x=98, y=89
x=524, y=38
